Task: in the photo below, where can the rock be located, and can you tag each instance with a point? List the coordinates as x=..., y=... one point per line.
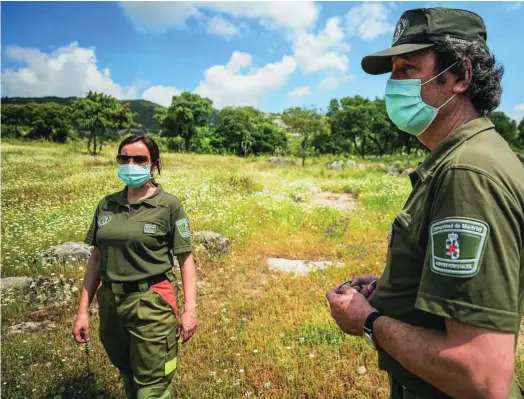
x=407, y=171
x=15, y=282
x=335, y=165
x=351, y=164
x=68, y=252
x=51, y=291
x=301, y=267
x=337, y=200
x=29, y=327
x=212, y=242
x=280, y=161
x=393, y=170
x=362, y=370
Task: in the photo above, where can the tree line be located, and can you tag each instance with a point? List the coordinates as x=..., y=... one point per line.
x=350, y=126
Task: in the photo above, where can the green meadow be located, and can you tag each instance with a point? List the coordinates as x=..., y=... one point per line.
x=261, y=333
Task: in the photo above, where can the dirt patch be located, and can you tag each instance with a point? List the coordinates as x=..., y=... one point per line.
x=337, y=200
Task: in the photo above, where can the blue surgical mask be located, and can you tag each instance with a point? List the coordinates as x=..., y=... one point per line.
x=134, y=175
x=405, y=106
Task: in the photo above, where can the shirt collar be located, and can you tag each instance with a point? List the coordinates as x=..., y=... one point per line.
x=450, y=142
x=153, y=199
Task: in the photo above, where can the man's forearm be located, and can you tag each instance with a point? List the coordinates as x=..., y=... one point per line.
x=426, y=354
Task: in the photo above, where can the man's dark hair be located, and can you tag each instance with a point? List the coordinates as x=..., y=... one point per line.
x=152, y=146
x=485, y=89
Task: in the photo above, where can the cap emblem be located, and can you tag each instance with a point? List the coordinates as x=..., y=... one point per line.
x=402, y=24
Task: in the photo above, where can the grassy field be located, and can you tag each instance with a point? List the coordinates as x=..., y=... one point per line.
x=261, y=333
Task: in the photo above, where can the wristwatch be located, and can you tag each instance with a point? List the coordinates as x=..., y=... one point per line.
x=368, y=330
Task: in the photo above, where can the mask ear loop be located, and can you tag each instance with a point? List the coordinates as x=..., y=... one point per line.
x=444, y=71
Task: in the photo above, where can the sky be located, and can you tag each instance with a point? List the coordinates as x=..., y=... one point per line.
x=271, y=55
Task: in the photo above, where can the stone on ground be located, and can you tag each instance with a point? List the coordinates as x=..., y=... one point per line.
x=29, y=327
x=300, y=267
x=68, y=252
x=15, y=282
x=211, y=242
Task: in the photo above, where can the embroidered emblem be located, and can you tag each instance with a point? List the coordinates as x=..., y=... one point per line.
x=457, y=246
x=149, y=228
x=104, y=220
x=183, y=228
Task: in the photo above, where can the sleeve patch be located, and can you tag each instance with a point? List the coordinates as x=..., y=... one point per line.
x=457, y=246
x=183, y=227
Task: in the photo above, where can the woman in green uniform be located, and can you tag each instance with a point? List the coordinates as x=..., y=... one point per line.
x=136, y=233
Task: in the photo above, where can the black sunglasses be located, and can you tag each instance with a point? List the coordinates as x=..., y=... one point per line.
x=137, y=159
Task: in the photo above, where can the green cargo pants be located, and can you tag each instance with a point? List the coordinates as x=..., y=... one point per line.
x=138, y=332
x=399, y=392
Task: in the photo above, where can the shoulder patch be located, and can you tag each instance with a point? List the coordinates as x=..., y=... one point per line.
x=457, y=246
x=183, y=227
x=104, y=220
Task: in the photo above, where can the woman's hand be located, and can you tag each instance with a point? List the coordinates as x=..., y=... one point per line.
x=81, y=324
x=188, y=323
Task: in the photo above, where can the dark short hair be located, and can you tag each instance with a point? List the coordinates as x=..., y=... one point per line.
x=152, y=146
x=485, y=89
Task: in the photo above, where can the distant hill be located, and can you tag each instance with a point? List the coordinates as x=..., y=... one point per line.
x=145, y=109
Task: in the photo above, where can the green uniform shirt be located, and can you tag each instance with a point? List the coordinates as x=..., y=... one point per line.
x=455, y=250
x=137, y=241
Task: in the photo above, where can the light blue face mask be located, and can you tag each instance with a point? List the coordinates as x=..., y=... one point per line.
x=405, y=106
x=134, y=175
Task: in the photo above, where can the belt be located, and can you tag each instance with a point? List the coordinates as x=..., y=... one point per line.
x=129, y=287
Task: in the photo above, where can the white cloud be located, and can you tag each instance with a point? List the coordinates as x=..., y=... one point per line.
x=323, y=51
x=518, y=112
x=292, y=15
x=159, y=16
x=517, y=5
x=301, y=91
x=368, y=20
x=331, y=82
x=66, y=71
x=220, y=26
x=161, y=95
x=227, y=85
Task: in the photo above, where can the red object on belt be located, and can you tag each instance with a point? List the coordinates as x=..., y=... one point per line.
x=166, y=291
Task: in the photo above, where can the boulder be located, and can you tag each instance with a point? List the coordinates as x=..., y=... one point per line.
x=280, y=161
x=68, y=252
x=407, y=171
x=29, y=327
x=212, y=242
x=300, y=267
x=351, y=164
x=335, y=165
x=15, y=282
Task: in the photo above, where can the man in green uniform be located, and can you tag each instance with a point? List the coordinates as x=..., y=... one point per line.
x=445, y=315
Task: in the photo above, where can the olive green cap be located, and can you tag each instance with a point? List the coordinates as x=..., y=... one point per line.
x=423, y=28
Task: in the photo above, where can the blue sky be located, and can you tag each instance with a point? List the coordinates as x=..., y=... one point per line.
x=270, y=55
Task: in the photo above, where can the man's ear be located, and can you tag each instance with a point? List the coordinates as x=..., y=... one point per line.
x=464, y=75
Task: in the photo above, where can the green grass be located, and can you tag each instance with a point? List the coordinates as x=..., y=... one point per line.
x=261, y=334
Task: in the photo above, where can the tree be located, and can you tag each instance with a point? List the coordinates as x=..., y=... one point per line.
x=14, y=115
x=49, y=121
x=100, y=113
x=521, y=133
x=187, y=113
x=308, y=123
x=505, y=126
x=244, y=130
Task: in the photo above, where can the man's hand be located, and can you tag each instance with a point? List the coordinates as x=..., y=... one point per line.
x=349, y=309
x=188, y=323
x=357, y=281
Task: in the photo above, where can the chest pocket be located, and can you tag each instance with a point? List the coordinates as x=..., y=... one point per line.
x=405, y=257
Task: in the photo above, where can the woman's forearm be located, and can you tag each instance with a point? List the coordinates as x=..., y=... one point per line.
x=91, y=281
x=189, y=280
